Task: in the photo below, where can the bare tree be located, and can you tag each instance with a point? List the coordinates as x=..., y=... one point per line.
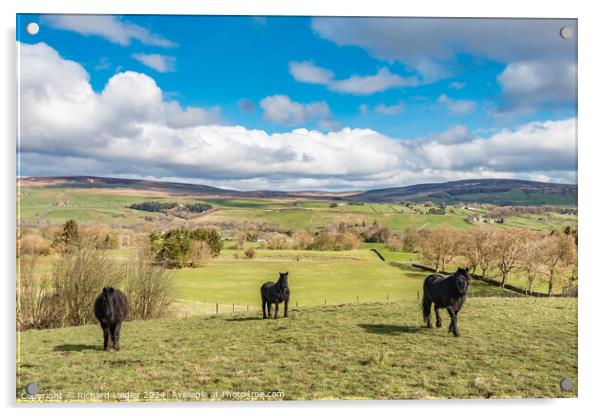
x=485, y=252
x=507, y=246
x=439, y=246
x=467, y=248
x=558, y=252
x=531, y=259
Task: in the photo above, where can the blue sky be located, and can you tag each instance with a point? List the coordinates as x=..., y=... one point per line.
x=440, y=87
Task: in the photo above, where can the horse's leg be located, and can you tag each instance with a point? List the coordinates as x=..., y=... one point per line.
x=453, y=327
x=263, y=303
x=438, y=317
x=105, y=335
x=286, y=308
x=269, y=309
x=276, y=310
x=115, y=330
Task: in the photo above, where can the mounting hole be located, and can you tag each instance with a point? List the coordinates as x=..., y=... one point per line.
x=32, y=28
x=32, y=388
x=566, y=32
x=566, y=384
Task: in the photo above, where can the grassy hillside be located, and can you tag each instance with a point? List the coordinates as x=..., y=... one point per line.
x=42, y=205
x=488, y=191
x=510, y=347
x=315, y=277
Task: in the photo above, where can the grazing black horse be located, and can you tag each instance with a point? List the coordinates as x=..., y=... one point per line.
x=447, y=292
x=111, y=308
x=275, y=293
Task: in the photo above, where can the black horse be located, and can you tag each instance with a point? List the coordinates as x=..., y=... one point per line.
x=447, y=292
x=275, y=293
x=111, y=308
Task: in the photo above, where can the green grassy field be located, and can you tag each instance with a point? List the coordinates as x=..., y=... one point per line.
x=509, y=347
x=315, y=278
x=55, y=205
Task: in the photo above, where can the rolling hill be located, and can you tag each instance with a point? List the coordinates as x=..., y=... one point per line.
x=491, y=191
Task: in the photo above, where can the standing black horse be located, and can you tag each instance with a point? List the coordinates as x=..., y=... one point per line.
x=111, y=308
x=275, y=293
x=447, y=292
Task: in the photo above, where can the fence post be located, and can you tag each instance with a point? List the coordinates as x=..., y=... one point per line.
x=296, y=304
x=324, y=301
x=232, y=308
x=247, y=308
x=357, y=298
x=217, y=308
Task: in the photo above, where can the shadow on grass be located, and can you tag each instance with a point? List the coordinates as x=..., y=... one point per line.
x=385, y=329
x=77, y=347
x=244, y=318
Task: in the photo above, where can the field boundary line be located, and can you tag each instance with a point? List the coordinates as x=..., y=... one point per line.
x=498, y=284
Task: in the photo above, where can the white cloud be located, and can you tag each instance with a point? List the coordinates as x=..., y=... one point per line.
x=177, y=117
x=459, y=107
x=111, y=28
x=383, y=80
x=160, y=63
x=281, y=109
x=454, y=135
x=389, y=109
x=456, y=85
x=129, y=130
x=527, y=85
x=309, y=73
x=540, y=67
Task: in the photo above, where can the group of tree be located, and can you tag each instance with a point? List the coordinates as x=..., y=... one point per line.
x=326, y=240
x=158, y=206
x=185, y=247
x=549, y=257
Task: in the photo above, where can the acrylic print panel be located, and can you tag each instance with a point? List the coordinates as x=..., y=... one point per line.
x=275, y=208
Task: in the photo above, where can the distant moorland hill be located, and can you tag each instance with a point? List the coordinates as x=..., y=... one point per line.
x=490, y=191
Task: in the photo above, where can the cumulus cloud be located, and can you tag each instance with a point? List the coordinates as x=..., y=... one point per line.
x=528, y=85
x=281, y=109
x=160, y=63
x=383, y=80
x=456, y=106
x=430, y=47
x=128, y=129
x=112, y=28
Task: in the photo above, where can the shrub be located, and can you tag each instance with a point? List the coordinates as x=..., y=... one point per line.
x=250, y=253
x=33, y=245
x=149, y=288
x=411, y=240
x=77, y=278
x=395, y=244
x=277, y=241
x=302, y=240
x=199, y=253
x=34, y=296
x=67, y=237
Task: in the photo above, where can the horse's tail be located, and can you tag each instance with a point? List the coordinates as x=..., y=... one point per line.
x=426, y=300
